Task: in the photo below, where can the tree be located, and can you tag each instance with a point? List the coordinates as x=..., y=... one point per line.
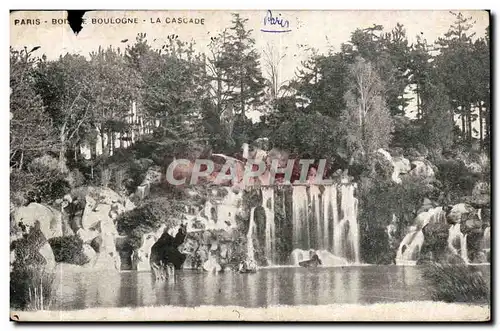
x=114, y=87
x=31, y=131
x=419, y=65
x=240, y=60
x=437, y=126
x=172, y=90
x=455, y=62
x=388, y=54
x=272, y=65
x=366, y=120
x=481, y=78
x=322, y=83
x=64, y=87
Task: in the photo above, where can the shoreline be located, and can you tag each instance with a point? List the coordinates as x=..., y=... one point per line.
x=399, y=311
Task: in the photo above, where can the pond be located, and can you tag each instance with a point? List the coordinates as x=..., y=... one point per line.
x=268, y=287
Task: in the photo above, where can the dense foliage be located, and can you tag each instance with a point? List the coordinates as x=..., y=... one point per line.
x=68, y=249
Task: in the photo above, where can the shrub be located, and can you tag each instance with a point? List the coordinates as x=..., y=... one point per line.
x=456, y=177
x=68, y=249
x=30, y=287
x=456, y=283
x=38, y=183
x=30, y=284
x=149, y=217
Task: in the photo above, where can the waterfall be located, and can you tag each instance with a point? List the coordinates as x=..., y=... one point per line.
x=327, y=200
x=349, y=207
x=314, y=193
x=251, y=229
x=300, y=228
x=454, y=235
x=270, y=240
x=409, y=248
x=316, y=224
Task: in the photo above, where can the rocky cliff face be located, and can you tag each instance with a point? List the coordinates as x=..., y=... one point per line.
x=88, y=212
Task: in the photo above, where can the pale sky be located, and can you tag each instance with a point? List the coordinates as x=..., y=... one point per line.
x=322, y=30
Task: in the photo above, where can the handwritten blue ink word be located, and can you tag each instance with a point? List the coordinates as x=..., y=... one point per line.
x=275, y=24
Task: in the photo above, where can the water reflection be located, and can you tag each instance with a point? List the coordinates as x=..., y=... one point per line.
x=285, y=286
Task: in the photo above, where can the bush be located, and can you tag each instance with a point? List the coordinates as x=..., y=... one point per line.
x=149, y=217
x=68, y=249
x=30, y=287
x=30, y=284
x=38, y=183
x=456, y=283
x=456, y=177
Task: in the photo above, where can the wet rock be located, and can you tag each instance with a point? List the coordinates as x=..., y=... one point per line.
x=108, y=257
x=435, y=239
x=328, y=259
x=141, y=256
x=166, y=248
x=211, y=264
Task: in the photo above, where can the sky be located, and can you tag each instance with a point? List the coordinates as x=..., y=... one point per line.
x=323, y=30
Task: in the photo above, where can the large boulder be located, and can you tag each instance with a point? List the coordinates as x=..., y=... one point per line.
x=436, y=247
x=165, y=250
x=103, y=204
x=141, y=256
x=49, y=218
x=107, y=257
x=422, y=169
x=399, y=165
x=327, y=259
x=459, y=212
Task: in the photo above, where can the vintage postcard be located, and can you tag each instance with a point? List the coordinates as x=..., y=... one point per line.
x=257, y=165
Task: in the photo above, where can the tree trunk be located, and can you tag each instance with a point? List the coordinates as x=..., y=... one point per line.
x=62, y=150
x=111, y=142
x=481, y=138
x=469, y=121
x=464, y=132
x=104, y=144
x=21, y=161
x=419, y=112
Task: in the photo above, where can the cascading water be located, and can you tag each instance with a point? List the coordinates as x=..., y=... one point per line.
x=251, y=229
x=456, y=235
x=409, y=248
x=316, y=222
x=314, y=194
x=349, y=207
x=270, y=240
x=300, y=238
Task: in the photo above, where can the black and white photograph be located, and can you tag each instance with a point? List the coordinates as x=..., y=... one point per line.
x=250, y=165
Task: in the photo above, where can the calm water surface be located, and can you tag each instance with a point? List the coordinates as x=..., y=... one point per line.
x=284, y=286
